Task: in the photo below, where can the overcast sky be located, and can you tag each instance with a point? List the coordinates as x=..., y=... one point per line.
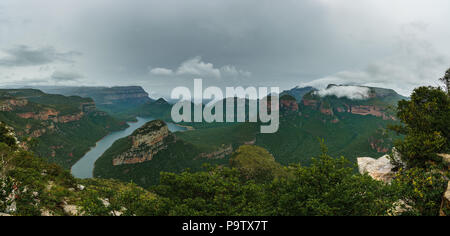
x=161, y=44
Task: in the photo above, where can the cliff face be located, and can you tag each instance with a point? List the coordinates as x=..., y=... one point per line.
x=64, y=127
x=11, y=104
x=288, y=104
x=146, y=142
x=221, y=153
x=376, y=103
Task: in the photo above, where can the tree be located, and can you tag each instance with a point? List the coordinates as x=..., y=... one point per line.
x=446, y=80
x=426, y=126
x=329, y=187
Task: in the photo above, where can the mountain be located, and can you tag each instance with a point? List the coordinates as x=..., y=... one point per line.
x=151, y=149
x=298, y=92
x=118, y=101
x=358, y=100
x=57, y=127
x=349, y=127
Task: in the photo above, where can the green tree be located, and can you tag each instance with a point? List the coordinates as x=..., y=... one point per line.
x=329, y=187
x=446, y=80
x=420, y=190
x=426, y=126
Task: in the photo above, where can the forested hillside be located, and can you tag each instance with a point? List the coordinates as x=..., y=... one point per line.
x=61, y=129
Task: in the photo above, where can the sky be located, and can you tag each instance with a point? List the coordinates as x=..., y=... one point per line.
x=163, y=44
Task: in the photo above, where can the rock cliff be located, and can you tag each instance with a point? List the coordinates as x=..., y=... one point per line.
x=376, y=102
x=379, y=169
x=146, y=142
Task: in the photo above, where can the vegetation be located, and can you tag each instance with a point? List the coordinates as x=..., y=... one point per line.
x=422, y=177
x=63, y=143
x=177, y=157
x=426, y=126
x=251, y=182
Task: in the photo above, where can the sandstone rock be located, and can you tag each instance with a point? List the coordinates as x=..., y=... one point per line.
x=379, y=169
x=45, y=212
x=445, y=206
x=221, y=153
x=147, y=141
x=81, y=187
x=399, y=207
x=445, y=158
x=71, y=209
x=11, y=208
x=105, y=202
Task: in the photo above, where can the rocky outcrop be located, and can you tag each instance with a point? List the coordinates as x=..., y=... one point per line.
x=11, y=104
x=288, y=105
x=379, y=169
x=146, y=142
x=445, y=158
x=221, y=153
x=445, y=206
x=326, y=110
x=51, y=115
x=310, y=103
x=366, y=110
x=371, y=110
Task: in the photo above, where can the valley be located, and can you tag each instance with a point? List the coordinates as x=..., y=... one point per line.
x=349, y=127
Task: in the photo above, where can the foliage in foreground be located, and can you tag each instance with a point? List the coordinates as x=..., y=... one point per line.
x=423, y=176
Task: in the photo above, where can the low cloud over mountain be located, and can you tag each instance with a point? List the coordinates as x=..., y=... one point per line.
x=351, y=92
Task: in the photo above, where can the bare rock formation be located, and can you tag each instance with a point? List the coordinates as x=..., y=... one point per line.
x=379, y=169
x=146, y=142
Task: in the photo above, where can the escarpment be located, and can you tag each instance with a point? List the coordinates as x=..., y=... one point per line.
x=146, y=142
x=376, y=102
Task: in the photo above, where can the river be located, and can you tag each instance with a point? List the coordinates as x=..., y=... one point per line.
x=84, y=168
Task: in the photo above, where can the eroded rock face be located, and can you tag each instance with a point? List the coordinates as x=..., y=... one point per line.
x=445, y=158
x=10, y=104
x=146, y=142
x=310, y=103
x=52, y=115
x=289, y=105
x=370, y=110
x=379, y=169
x=219, y=154
x=445, y=207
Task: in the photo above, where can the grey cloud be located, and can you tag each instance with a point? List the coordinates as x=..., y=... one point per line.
x=26, y=56
x=65, y=76
x=247, y=43
x=351, y=92
x=198, y=68
x=161, y=71
x=413, y=63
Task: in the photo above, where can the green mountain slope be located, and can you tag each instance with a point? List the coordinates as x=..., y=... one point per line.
x=120, y=102
x=59, y=128
x=150, y=150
